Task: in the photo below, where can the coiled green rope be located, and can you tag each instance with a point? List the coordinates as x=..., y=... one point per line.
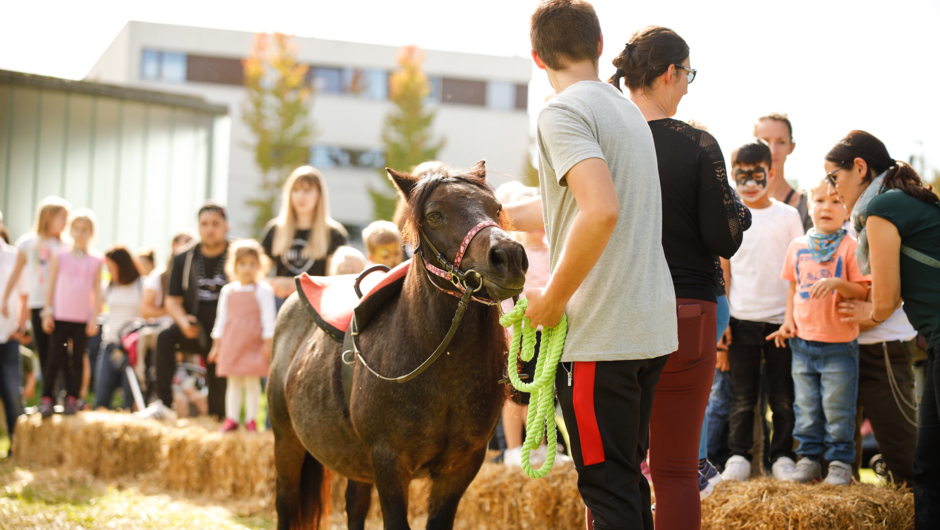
x=541, y=417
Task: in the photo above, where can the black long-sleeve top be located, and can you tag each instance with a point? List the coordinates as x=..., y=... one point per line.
x=700, y=217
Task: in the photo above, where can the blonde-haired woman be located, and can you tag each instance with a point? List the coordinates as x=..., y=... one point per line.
x=303, y=236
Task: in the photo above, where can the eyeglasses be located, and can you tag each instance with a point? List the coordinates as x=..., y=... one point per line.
x=831, y=176
x=691, y=75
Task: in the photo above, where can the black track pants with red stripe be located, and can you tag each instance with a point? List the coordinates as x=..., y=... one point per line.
x=607, y=413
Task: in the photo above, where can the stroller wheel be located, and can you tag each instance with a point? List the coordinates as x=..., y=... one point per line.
x=879, y=466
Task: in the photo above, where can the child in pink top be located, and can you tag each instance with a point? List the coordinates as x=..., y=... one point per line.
x=822, y=271
x=73, y=301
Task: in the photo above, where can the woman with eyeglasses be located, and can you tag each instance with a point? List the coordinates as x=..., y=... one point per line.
x=700, y=220
x=897, y=218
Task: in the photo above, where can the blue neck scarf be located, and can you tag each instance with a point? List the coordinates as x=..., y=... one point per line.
x=823, y=246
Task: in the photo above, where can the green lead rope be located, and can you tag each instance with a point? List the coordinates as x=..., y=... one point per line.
x=541, y=417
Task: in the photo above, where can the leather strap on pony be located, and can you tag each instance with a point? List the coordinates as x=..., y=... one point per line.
x=452, y=273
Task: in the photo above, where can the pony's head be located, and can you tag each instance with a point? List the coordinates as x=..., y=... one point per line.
x=444, y=205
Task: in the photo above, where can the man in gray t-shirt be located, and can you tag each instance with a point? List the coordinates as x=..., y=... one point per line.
x=602, y=210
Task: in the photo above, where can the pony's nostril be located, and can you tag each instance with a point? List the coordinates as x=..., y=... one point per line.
x=499, y=260
x=523, y=259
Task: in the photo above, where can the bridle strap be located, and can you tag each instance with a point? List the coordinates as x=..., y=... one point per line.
x=452, y=273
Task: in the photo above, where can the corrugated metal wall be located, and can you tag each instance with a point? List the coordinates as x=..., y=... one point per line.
x=143, y=168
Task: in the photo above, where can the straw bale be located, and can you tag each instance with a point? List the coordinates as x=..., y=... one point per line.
x=766, y=504
x=191, y=456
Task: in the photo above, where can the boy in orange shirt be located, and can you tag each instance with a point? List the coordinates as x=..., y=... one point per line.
x=822, y=271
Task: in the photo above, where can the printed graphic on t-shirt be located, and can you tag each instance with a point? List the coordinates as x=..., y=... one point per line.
x=294, y=258
x=808, y=276
x=208, y=289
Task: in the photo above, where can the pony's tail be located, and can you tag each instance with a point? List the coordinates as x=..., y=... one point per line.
x=313, y=506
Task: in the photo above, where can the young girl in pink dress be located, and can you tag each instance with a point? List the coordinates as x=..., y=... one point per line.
x=73, y=301
x=244, y=327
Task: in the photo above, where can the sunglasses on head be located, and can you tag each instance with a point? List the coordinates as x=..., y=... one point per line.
x=743, y=175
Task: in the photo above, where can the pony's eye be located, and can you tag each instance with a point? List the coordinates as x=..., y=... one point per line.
x=435, y=217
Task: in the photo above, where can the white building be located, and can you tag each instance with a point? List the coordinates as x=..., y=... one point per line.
x=142, y=160
x=481, y=105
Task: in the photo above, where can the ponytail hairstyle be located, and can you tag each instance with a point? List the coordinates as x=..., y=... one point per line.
x=899, y=176
x=648, y=55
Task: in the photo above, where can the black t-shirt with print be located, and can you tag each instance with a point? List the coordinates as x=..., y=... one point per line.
x=294, y=263
x=210, y=278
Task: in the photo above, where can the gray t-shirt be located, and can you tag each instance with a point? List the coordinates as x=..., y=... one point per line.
x=626, y=307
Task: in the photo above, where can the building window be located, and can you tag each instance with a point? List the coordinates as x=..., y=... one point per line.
x=331, y=156
x=463, y=91
x=500, y=95
x=436, y=83
x=522, y=97
x=328, y=80
x=157, y=65
x=218, y=70
x=368, y=84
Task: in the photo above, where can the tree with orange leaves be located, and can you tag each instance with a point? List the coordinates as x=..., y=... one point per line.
x=278, y=113
x=406, y=136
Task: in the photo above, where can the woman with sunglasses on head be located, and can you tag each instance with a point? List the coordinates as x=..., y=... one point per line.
x=897, y=218
x=700, y=220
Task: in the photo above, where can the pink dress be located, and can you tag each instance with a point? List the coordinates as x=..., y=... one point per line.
x=77, y=280
x=240, y=352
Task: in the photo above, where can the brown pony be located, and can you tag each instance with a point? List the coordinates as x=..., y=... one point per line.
x=437, y=424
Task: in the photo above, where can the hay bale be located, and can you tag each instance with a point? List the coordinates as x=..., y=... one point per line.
x=191, y=456
x=766, y=504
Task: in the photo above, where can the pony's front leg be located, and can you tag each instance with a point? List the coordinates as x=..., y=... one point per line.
x=449, y=483
x=391, y=481
x=358, y=499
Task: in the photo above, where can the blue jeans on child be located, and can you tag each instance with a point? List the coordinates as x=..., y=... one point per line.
x=109, y=373
x=825, y=382
x=11, y=382
x=719, y=400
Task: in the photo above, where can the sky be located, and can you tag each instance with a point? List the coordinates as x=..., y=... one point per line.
x=831, y=66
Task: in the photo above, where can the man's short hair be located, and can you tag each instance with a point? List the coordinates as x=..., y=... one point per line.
x=211, y=206
x=565, y=31
x=752, y=154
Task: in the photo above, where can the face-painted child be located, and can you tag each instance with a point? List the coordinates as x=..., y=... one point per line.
x=751, y=167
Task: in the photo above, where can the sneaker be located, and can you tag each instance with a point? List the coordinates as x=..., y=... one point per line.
x=513, y=457
x=737, y=469
x=157, y=411
x=783, y=468
x=706, y=469
x=840, y=473
x=47, y=407
x=807, y=470
x=251, y=427
x=705, y=488
x=229, y=425
x=71, y=406
x=537, y=457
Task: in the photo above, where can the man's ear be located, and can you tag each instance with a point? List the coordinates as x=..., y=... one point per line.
x=403, y=181
x=478, y=170
x=538, y=60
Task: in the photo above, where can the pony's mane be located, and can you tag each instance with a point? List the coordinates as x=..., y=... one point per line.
x=422, y=192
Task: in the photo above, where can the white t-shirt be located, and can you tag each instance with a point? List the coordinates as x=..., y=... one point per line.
x=153, y=283
x=757, y=292
x=123, y=307
x=8, y=257
x=38, y=258
x=264, y=294
x=626, y=307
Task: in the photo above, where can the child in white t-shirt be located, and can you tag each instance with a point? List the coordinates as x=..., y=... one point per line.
x=758, y=298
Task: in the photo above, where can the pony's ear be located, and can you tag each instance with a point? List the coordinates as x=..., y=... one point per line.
x=478, y=170
x=403, y=181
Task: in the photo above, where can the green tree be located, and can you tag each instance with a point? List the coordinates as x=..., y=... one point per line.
x=406, y=135
x=277, y=112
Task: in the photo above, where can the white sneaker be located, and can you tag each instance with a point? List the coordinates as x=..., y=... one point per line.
x=807, y=470
x=157, y=411
x=840, y=473
x=737, y=469
x=513, y=457
x=783, y=468
x=537, y=457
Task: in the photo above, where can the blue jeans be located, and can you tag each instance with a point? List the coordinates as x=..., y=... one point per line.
x=109, y=373
x=11, y=383
x=716, y=415
x=825, y=382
